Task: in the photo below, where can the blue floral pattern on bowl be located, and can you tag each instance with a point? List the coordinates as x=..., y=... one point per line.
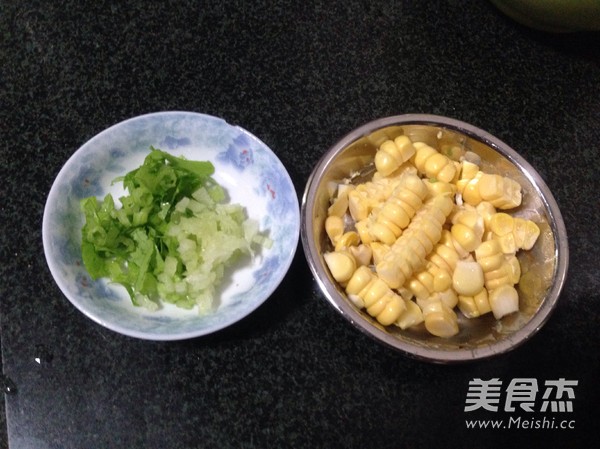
x=250, y=172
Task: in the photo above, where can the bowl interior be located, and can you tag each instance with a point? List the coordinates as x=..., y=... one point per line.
x=249, y=171
x=543, y=268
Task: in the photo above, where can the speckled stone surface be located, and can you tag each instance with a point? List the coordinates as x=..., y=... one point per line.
x=299, y=75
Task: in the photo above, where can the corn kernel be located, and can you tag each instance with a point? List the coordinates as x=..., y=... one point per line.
x=501, y=223
x=393, y=308
x=467, y=279
x=433, y=164
x=339, y=206
x=362, y=254
x=347, y=239
x=466, y=304
x=341, y=265
x=359, y=280
x=392, y=153
x=440, y=320
x=379, y=251
x=515, y=269
x=334, y=227
x=465, y=237
x=504, y=300
x=526, y=233
x=482, y=302
x=411, y=316
x=468, y=170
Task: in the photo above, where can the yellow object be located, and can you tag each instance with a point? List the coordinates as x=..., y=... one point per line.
x=392, y=154
x=501, y=224
x=340, y=204
x=433, y=164
x=347, y=239
x=341, y=264
x=437, y=187
x=376, y=297
x=498, y=270
x=362, y=253
x=467, y=278
x=396, y=212
x=410, y=317
x=502, y=192
x=369, y=195
x=440, y=320
x=467, y=229
x=504, y=300
x=476, y=305
x=408, y=253
x=526, y=233
x=334, y=227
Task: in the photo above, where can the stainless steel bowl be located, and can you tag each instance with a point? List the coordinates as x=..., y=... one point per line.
x=544, y=267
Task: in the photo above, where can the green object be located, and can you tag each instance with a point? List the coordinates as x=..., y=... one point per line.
x=553, y=15
x=173, y=237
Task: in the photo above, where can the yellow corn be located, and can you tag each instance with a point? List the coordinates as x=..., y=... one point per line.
x=470, y=189
x=489, y=255
x=429, y=281
x=440, y=320
x=437, y=187
x=392, y=154
x=466, y=304
x=334, y=227
x=444, y=254
x=362, y=254
x=501, y=224
x=515, y=269
x=514, y=233
x=467, y=229
x=365, y=289
x=476, y=305
x=411, y=316
x=341, y=264
x=408, y=253
x=501, y=191
x=379, y=250
x=468, y=170
x=397, y=211
x=468, y=278
x=526, y=233
x=453, y=151
x=339, y=205
x=346, y=240
x=433, y=164
x=362, y=229
x=448, y=297
x=504, y=300
x=486, y=210
x=498, y=270
x=365, y=197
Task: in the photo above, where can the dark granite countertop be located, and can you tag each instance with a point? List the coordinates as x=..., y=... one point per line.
x=299, y=75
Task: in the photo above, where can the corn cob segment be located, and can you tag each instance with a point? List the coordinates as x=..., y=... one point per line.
x=397, y=211
x=392, y=154
x=367, y=291
x=433, y=164
x=408, y=253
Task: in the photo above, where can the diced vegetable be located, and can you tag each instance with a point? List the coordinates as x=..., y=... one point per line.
x=172, y=239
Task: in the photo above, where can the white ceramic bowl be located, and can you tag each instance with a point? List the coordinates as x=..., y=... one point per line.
x=546, y=264
x=250, y=172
